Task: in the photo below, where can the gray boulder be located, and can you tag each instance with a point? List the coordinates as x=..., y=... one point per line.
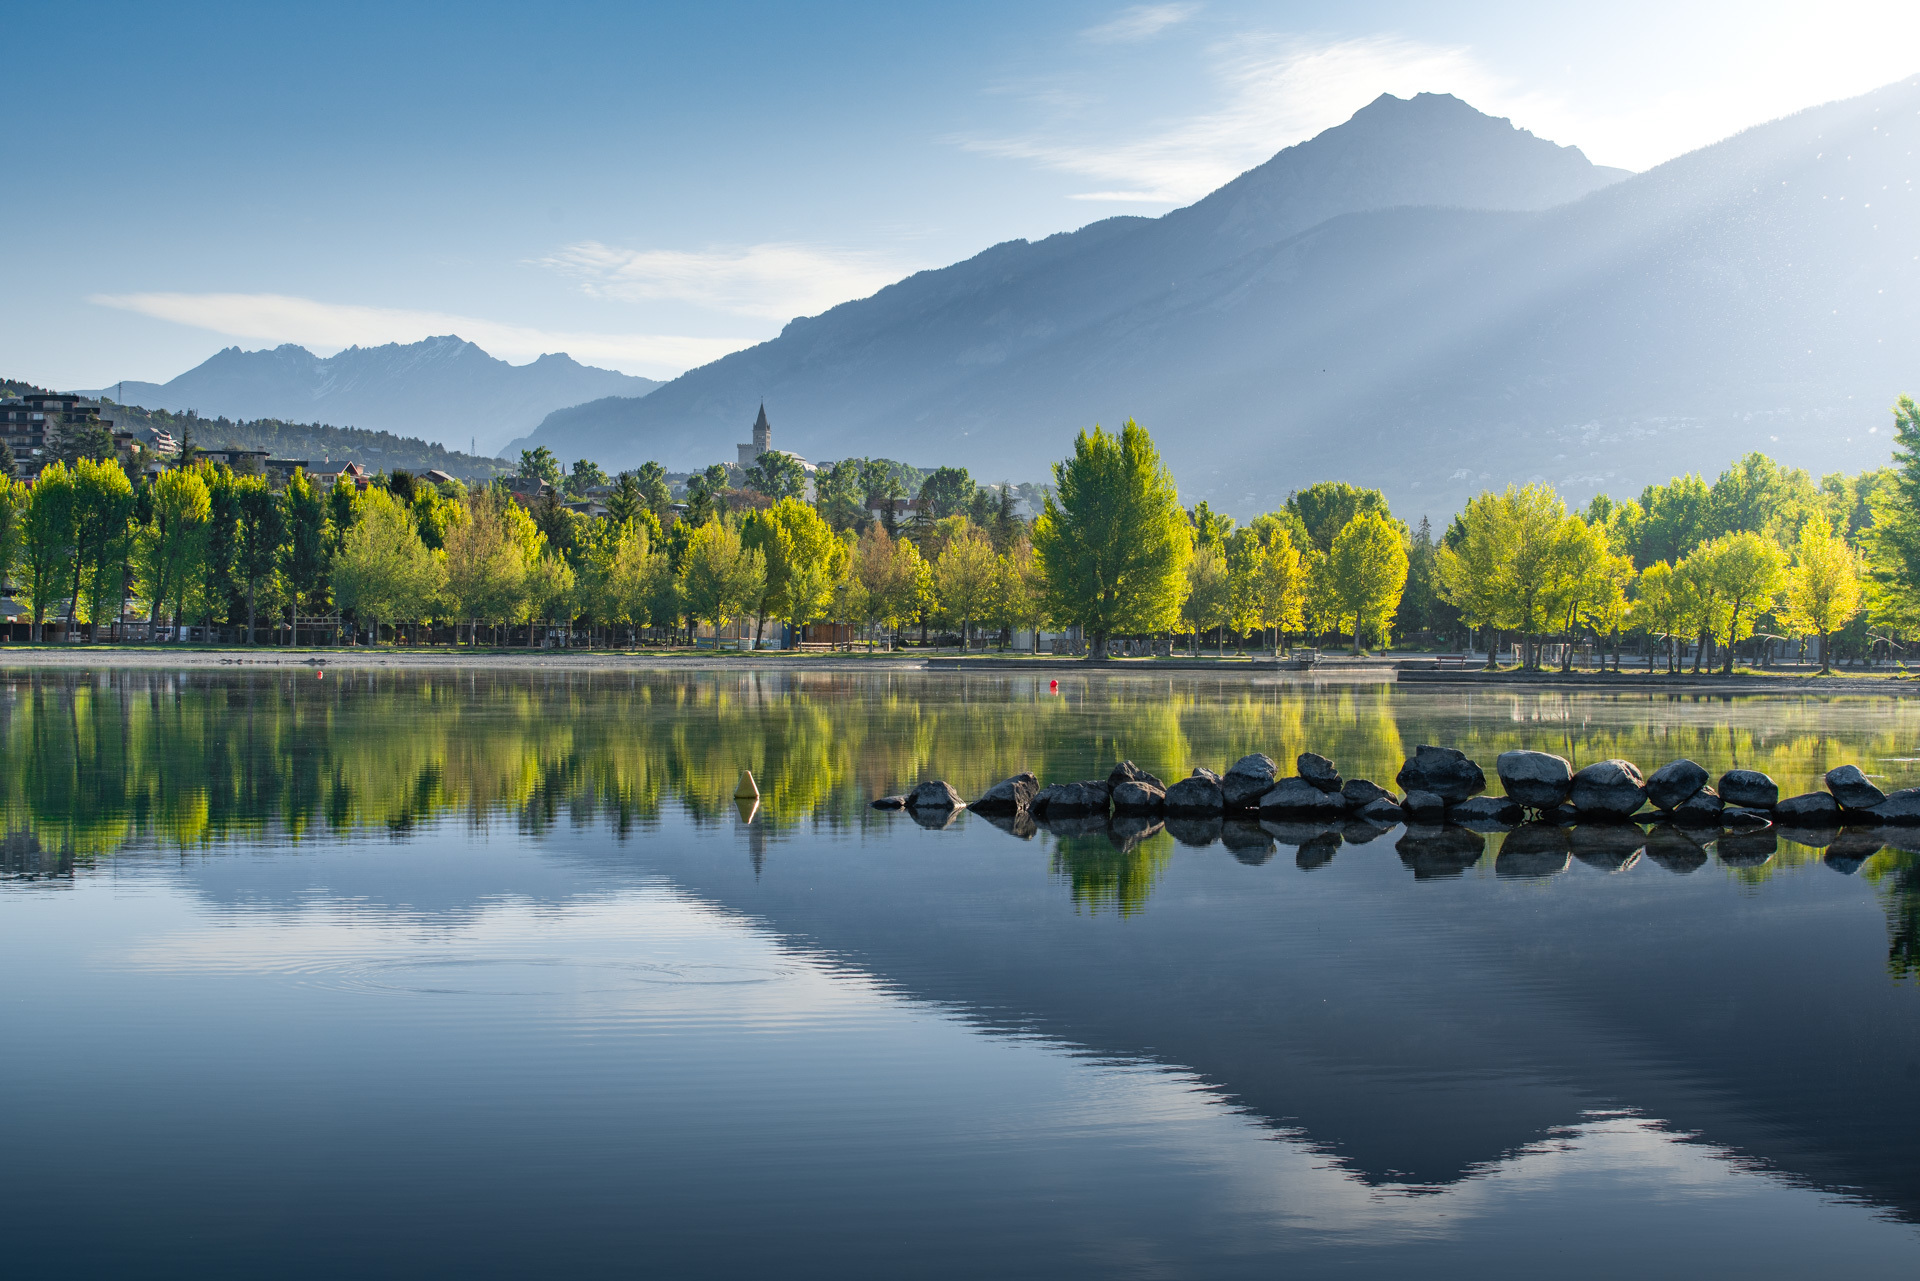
x=1702, y=809
x=1609, y=790
x=1297, y=798
x=1900, y=809
x=936, y=795
x=1135, y=796
x=1128, y=772
x=1319, y=771
x=1382, y=812
x=1749, y=787
x=1485, y=809
x=1009, y=796
x=1424, y=807
x=1089, y=797
x=1537, y=780
x=1674, y=782
x=1249, y=778
x=1362, y=792
x=1851, y=788
x=1198, y=796
x=890, y=803
x=1813, y=809
x=1444, y=772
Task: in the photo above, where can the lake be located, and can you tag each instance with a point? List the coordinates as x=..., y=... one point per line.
x=486, y=973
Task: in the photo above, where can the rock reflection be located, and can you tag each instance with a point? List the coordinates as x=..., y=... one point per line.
x=1674, y=849
x=1434, y=852
x=1611, y=848
x=1747, y=849
x=1247, y=841
x=1195, y=832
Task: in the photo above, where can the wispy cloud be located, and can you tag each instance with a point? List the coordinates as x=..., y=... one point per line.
x=326, y=326
x=1273, y=91
x=1141, y=22
x=768, y=281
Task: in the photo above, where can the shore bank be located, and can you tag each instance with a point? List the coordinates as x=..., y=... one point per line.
x=1679, y=682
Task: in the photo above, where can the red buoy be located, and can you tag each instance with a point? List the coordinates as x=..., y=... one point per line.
x=1053, y=687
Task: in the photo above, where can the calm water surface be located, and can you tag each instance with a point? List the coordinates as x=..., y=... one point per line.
x=397, y=974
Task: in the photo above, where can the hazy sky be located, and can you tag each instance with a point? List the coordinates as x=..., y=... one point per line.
x=648, y=186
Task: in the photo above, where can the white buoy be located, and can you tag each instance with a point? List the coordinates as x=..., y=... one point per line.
x=746, y=790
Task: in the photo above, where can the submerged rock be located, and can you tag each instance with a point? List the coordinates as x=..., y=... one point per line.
x=1009, y=796
x=1674, y=782
x=1809, y=809
x=1319, y=771
x=1247, y=841
x=934, y=817
x=1361, y=792
x=1749, y=787
x=1299, y=833
x=1128, y=830
x=1537, y=780
x=1424, y=807
x=1317, y=852
x=890, y=803
x=1088, y=797
x=1609, y=791
x=1851, y=788
x=1199, y=795
x=1739, y=816
x=1019, y=823
x=1361, y=831
x=1485, y=809
x=936, y=795
x=1443, y=771
x=1384, y=812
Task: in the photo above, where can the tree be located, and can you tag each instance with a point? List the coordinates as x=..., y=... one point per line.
x=13, y=502
x=777, y=475
x=1018, y=594
x=1701, y=606
x=304, y=515
x=1579, y=578
x=964, y=578
x=654, y=489
x=947, y=492
x=384, y=570
x=47, y=541
x=1823, y=589
x=555, y=521
x=720, y=578
x=1278, y=583
x=1208, y=596
x=1658, y=609
x=1675, y=520
x=1498, y=569
x=485, y=570
x=1369, y=569
x=1113, y=540
x=1210, y=528
x=219, y=585
x=540, y=464
x=586, y=475
x=103, y=508
x=551, y=586
x=170, y=547
x=1750, y=572
x=1758, y=495
x=1323, y=510
x=1892, y=542
x=704, y=495
x=263, y=531
x=896, y=580
x=627, y=499
x=812, y=561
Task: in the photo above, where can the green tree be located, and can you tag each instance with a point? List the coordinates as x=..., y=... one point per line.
x=658, y=495
x=1210, y=528
x=263, y=533
x=1757, y=495
x=1112, y=540
x=948, y=491
x=1892, y=542
x=586, y=475
x=485, y=569
x=172, y=545
x=1324, y=509
x=1658, y=609
x=1750, y=572
x=1675, y=520
x=1369, y=570
x=384, y=570
x=540, y=464
x=1208, y=599
x=1019, y=598
x=47, y=541
x=304, y=515
x=103, y=510
x=813, y=559
x=1701, y=604
x=1823, y=590
x=777, y=475
x=1278, y=584
x=720, y=578
x=963, y=577
x=1497, y=565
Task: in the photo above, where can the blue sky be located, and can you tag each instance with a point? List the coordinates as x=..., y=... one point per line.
x=648, y=186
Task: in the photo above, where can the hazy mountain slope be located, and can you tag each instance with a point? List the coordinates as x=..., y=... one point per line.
x=444, y=389
x=890, y=354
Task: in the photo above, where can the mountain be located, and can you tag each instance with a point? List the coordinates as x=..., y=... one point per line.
x=1423, y=299
x=444, y=389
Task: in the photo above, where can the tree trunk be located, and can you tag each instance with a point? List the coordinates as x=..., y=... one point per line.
x=250, y=614
x=1826, y=656
x=1097, y=647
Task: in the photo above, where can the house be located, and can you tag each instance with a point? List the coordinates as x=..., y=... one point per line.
x=434, y=476
x=35, y=424
x=358, y=476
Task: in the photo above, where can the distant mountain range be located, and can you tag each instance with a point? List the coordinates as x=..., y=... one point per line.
x=1423, y=298
x=441, y=389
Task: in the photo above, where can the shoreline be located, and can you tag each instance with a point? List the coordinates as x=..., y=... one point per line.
x=1679, y=682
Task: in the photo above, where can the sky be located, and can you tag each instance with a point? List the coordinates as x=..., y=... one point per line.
x=648, y=186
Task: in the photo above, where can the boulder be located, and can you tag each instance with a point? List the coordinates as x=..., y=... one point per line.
x=1089, y=797
x=936, y=795
x=1137, y=796
x=1564, y=815
x=1674, y=782
x=1740, y=816
x=890, y=803
x=1009, y=796
x=1250, y=778
x=1296, y=797
x=1319, y=771
x=1749, y=787
x=1608, y=791
x=1485, y=809
x=1537, y=780
x=1433, y=852
x=1197, y=832
x=1900, y=809
x=1128, y=772
x=1196, y=796
x=1423, y=807
x=1384, y=812
x=1361, y=792
x=1812, y=809
x=1442, y=771
x=1247, y=841
x=1747, y=849
x=1702, y=809
x=1851, y=788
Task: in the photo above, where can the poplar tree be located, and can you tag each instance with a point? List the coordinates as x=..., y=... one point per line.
x=1823, y=589
x=1369, y=571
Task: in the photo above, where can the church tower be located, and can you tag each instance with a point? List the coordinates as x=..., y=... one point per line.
x=762, y=440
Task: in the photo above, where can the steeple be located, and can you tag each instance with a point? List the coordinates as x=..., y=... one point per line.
x=762, y=431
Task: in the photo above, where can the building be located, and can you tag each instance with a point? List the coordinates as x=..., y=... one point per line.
x=356, y=475
x=35, y=425
x=762, y=442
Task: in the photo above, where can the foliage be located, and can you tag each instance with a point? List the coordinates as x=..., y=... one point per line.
x=1208, y=599
x=540, y=464
x=1369, y=571
x=384, y=571
x=1326, y=508
x=964, y=577
x=719, y=577
x=778, y=476
x=1823, y=590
